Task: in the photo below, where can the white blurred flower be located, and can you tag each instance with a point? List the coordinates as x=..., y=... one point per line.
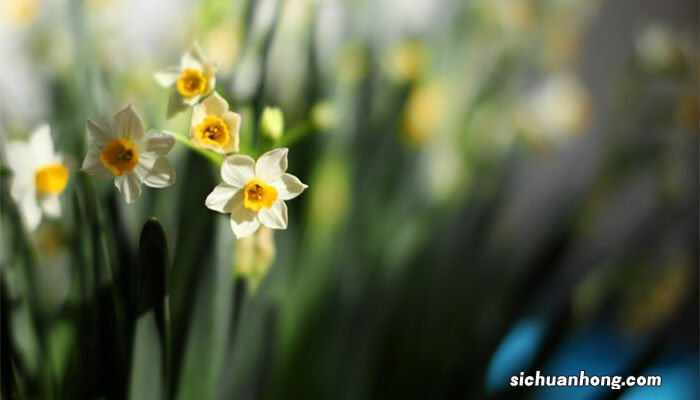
x=324, y=115
x=214, y=127
x=560, y=108
x=194, y=79
x=658, y=47
x=254, y=192
x=121, y=149
x=39, y=176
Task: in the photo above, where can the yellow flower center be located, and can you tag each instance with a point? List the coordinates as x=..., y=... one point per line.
x=192, y=82
x=214, y=131
x=51, y=179
x=257, y=194
x=119, y=156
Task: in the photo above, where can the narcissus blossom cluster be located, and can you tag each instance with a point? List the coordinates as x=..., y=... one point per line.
x=252, y=192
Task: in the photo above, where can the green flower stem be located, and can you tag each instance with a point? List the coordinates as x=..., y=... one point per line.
x=295, y=134
x=289, y=138
x=215, y=158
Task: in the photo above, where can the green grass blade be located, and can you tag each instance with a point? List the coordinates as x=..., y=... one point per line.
x=206, y=340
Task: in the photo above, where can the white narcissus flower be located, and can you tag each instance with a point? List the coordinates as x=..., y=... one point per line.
x=194, y=79
x=121, y=149
x=213, y=126
x=39, y=176
x=254, y=192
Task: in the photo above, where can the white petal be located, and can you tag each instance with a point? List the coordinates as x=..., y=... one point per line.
x=215, y=105
x=244, y=222
x=274, y=217
x=41, y=144
x=221, y=198
x=161, y=175
x=30, y=211
x=243, y=229
x=271, y=165
x=190, y=101
x=51, y=205
x=193, y=58
x=188, y=61
x=22, y=183
x=19, y=156
x=233, y=123
x=146, y=162
x=288, y=186
x=238, y=170
x=94, y=167
x=168, y=77
x=209, y=71
x=127, y=124
x=129, y=185
x=100, y=129
x=159, y=142
x=198, y=115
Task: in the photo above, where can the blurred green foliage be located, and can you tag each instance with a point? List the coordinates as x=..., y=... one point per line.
x=460, y=180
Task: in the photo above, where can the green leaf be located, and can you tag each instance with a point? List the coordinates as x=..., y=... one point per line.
x=206, y=339
x=193, y=249
x=152, y=331
x=152, y=273
x=146, y=382
x=152, y=282
x=62, y=337
x=105, y=314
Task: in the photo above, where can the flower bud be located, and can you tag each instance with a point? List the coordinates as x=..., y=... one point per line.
x=254, y=256
x=272, y=123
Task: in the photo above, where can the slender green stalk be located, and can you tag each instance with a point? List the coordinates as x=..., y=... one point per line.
x=215, y=158
x=295, y=134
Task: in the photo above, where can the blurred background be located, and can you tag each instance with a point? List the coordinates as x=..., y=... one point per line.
x=496, y=187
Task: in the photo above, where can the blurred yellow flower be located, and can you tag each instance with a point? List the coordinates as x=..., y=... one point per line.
x=194, y=79
x=19, y=13
x=517, y=15
x=563, y=39
x=425, y=112
x=409, y=60
x=254, y=192
x=352, y=62
x=214, y=127
x=39, y=176
x=688, y=111
x=563, y=26
x=121, y=149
